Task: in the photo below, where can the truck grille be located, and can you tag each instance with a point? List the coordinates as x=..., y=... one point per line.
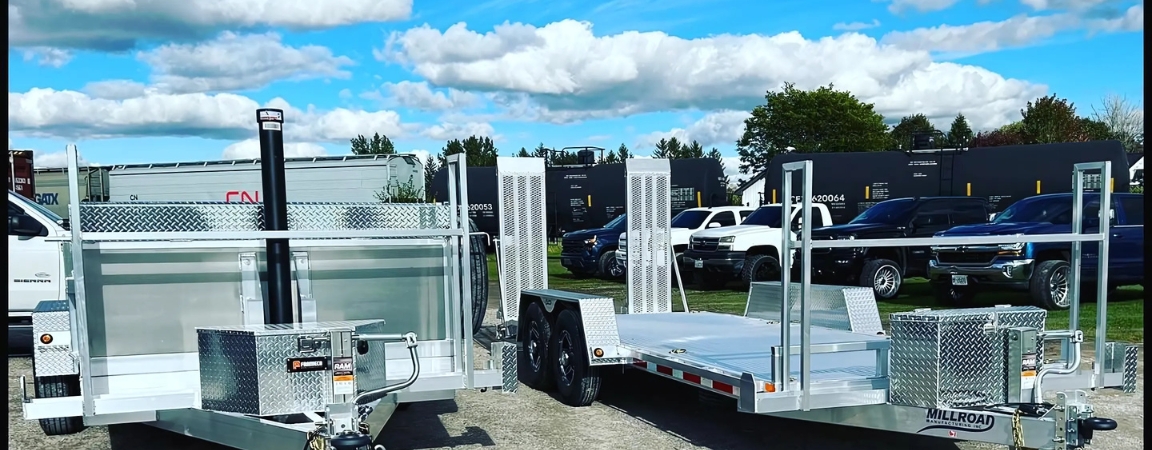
x=705, y=244
x=965, y=257
x=572, y=245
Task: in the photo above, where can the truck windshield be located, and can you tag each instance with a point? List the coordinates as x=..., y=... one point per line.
x=690, y=219
x=617, y=223
x=1056, y=210
x=886, y=212
x=764, y=215
x=45, y=211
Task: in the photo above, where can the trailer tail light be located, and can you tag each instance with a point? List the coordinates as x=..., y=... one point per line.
x=769, y=387
x=45, y=338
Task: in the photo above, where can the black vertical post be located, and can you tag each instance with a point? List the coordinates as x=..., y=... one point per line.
x=278, y=309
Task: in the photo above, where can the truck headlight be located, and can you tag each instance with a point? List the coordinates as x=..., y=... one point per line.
x=1011, y=249
x=590, y=242
x=727, y=239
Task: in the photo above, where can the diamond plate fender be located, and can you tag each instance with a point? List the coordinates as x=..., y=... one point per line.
x=52, y=322
x=504, y=357
x=600, y=333
x=1131, y=359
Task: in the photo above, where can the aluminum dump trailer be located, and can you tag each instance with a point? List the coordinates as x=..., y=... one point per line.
x=52, y=187
x=852, y=182
x=321, y=179
x=583, y=197
x=165, y=322
x=975, y=374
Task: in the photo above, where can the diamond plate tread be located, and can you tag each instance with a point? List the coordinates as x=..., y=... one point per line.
x=506, y=352
x=846, y=308
x=649, y=226
x=968, y=355
x=54, y=360
x=1131, y=360
x=137, y=217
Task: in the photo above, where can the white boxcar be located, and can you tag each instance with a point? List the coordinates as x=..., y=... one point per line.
x=320, y=179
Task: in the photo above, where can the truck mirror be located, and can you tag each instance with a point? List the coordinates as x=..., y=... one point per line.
x=714, y=225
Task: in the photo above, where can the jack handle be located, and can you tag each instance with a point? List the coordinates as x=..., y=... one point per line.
x=409, y=340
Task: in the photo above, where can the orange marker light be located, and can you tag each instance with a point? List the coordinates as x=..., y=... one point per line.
x=599, y=353
x=45, y=339
x=769, y=387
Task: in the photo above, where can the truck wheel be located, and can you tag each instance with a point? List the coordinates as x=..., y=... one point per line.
x=55, y=387
x=577, y=382
x=536, y=370
x=883, y=276
x=479, y=280
x=760, y=268
x=708, y=281
x=1049, y=285
x=610, y=268
x=948, y=295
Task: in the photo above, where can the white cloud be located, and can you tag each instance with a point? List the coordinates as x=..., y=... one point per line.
x=71, y=114
x=715, y=129
x=899, y=6
x=856, y=26
x=250, y=149
x=419, y=95
x=450, y=131
x=117, y=25
x=237, y=62
x=1042, y=5
x=116, y=89
x=984, y=36
x=48, y=56
x=56, y=160
x=1131, y=20
x=562, y=72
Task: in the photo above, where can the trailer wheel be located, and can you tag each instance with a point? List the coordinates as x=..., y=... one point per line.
x=479, y=277
x=883, y=276
x=948, y=295
x=610, y=268
x=760, y=268
x=55, y=387
x=708, y=281
x=577, y=382
x=1049, y=285
x=536, y=371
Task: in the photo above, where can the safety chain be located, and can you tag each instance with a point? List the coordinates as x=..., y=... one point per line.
x=1017, y=430
x=315, y=441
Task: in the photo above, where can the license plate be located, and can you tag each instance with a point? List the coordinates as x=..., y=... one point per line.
x=959, y=280
x=699, y=264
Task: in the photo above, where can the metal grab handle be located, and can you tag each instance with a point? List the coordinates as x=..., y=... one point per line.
x=410, y=341
x=1076, y=338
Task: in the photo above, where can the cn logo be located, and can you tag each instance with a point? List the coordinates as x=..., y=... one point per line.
x=242, y=197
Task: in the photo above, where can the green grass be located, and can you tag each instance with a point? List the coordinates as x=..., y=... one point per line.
x=1125, y=308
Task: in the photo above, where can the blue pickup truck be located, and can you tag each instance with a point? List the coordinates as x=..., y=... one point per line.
x=593, y=251
x=958, y=273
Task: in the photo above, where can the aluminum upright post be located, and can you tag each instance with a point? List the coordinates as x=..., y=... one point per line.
x=785, y=282
x=79, y=298
x=1102, y=271
x=805, y=285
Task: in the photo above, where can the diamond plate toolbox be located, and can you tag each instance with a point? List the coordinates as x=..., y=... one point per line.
x=956, y=358
x=265, y=370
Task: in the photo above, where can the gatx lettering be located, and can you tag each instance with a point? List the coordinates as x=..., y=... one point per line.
x=972, y=422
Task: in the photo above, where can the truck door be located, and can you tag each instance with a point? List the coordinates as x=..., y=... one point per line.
x=931, y=217
x=33, y=263
x=1126, y=243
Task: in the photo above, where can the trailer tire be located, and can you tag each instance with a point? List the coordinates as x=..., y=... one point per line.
x=1041, y=287
x=577, y=381
x=948, y=295
x=55, y=387
x=760, y=268
x=610, y=269
x=884, y=277
x=535, y=359
x=479, y=277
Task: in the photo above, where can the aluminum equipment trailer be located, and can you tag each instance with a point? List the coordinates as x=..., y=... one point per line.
x=165, y=321
x=963, y=374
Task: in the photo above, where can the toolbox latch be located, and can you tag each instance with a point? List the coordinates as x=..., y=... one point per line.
x=309, y=344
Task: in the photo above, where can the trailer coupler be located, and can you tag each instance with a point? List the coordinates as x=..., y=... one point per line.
x=1076, y=423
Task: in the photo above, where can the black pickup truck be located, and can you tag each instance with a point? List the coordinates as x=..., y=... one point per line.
x=884, y=268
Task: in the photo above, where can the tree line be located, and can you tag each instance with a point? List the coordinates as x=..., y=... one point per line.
x=824, y=119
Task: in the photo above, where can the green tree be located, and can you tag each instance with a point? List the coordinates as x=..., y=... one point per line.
x=523, y=153
x=379, y=144
x=1011, y=134
x=715, y=154
x=667, y=148
x=1050, y=119
x=430, y=168
x=479, y=151
x=902, y=133
x=1095, y=130
x=692, y=150
x=960, y=133
x=623, y=153
x=610, y=158
x=1124, y=120
x=542, y=152
x=821, y=120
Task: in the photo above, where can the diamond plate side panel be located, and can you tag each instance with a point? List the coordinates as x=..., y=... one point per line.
x=52, y=317
x=1131, y=359
x=523, y=236
x=845, y=308
x=504, y=353
x=132, y=217
x=965, y=347
x=649, y=208
x=371, y=371
x=281, y=392
x=598, y=318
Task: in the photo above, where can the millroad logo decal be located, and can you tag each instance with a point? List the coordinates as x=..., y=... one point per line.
x=938, y=419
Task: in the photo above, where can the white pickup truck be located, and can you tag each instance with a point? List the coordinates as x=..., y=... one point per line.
x=35, y=263
x=690, y=221
x=748, y=252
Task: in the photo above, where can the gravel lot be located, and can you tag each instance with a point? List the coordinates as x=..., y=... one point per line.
x=635, y=411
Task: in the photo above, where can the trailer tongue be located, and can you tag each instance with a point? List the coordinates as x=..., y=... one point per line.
x=804, y=351
x=274, y=326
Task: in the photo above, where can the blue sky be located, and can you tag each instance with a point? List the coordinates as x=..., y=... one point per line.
x=179, y=81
